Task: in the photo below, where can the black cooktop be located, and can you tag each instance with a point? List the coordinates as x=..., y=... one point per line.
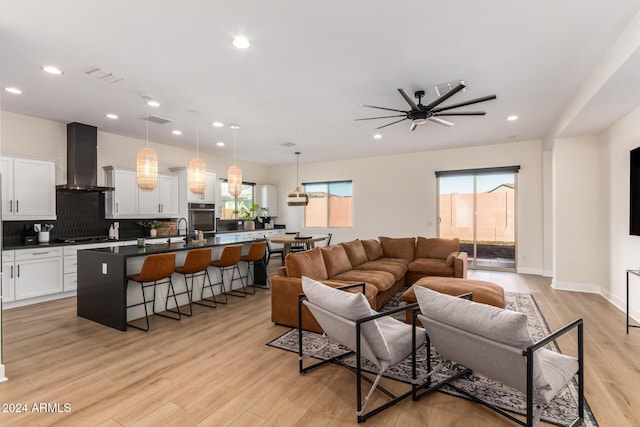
x=82, y=239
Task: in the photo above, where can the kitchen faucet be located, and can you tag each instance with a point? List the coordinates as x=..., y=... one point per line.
x=186, y=226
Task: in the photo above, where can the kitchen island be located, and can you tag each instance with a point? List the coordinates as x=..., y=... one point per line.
x=102, y=277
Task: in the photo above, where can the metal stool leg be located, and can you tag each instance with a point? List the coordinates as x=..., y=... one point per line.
x=236, y=292
x=155, y=284
x=143, y=303
x=213, y=301
x=189, y=297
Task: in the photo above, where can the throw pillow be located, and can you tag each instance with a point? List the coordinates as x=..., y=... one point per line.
x=403, y=247
x=505, y=326
x=352, y=306
x=355, y=251
x=373, y=249
x=307, y=263
x=436, y=247
x=335, y=260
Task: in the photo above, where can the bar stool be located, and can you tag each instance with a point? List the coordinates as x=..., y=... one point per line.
x=256, y=254
x=195, y=265
x=228, y=261
x=155, y=268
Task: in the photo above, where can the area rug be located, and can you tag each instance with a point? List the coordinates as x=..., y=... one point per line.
x=561, y=411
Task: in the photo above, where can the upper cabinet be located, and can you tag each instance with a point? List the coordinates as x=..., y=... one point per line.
x=186, y=196
x=129, y=201
x=267, y=196
x=28, y=189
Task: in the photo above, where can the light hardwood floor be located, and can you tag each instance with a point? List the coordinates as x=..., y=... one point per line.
x=214, y=369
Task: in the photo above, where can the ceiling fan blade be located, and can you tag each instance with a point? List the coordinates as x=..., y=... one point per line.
x=381, y=117
x=407, y=98
x=462, y=113
x=444, y=97
x=413, y=127
x=462, y=104
x=440, y=121
x=392, y=123
x=383, y=108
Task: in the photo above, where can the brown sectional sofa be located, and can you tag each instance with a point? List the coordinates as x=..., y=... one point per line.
x=384, y=265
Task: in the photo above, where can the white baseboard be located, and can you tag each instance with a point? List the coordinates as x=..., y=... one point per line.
x=620, y=304
x=529, y=270
x=547, y=273
x=2, y=377
x=591, y=288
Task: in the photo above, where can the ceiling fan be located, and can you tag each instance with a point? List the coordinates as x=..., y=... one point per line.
x=419, y=114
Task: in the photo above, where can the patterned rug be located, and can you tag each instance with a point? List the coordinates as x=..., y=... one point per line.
x=561, y=411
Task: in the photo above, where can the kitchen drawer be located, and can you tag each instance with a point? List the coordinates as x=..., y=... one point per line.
x=70, y=282
x=35, y=253
x=70, y=264
x=7, y=256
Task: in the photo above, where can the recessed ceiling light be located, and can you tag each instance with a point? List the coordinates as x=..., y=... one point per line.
x=112, y=116
x=217, y=124
x=512, y=118
x=241, y=42
x=177, y=132
x=377, y=136
x=52, y=70
x=220, y=144
x=13, y=90
x=234, y=127
x=152, y=103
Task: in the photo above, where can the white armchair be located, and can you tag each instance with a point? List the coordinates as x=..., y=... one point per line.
x=348, y=319
x=496, y=343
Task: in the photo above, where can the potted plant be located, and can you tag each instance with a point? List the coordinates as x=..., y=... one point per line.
x=151, y=226
x=250, y=215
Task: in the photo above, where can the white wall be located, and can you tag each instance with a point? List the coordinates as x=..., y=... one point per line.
x=35, y=137
x=396, y=195
x=623, y=249
x=580, y=262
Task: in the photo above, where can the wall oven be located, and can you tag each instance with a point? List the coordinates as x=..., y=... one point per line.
x=202, y=217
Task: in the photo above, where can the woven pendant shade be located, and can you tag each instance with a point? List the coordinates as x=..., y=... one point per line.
x=234, y=180
x=147, y=169
x=197, y=176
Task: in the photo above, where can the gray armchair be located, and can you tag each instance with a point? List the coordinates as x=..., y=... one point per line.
x=496, y=343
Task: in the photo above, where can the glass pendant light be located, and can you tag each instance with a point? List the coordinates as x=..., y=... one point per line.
x=298, y=197
x=147, y=166
x=197, y=169
x=234, y=174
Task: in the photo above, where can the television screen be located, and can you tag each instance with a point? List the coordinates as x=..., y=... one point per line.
x=634, y=197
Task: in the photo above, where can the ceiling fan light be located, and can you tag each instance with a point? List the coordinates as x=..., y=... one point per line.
x=297, y=198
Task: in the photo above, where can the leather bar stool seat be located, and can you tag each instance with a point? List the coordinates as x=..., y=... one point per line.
x=196, y=264
x=156, y=269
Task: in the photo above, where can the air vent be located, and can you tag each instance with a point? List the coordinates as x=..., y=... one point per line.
x=287, y=144
x=104, y=75
x=156, y=119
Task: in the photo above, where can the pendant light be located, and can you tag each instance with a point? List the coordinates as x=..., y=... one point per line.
x=147, y=166
x=197, y=168
x=298, y=197
x=234, y=174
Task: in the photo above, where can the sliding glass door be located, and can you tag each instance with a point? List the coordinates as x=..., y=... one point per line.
x=478, y=207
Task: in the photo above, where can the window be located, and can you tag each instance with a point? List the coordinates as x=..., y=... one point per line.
x=330, y=204
x=230, y=203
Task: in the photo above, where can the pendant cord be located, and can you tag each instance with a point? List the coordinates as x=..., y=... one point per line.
x=147, y=128
x=197, y=138
x=234, y=146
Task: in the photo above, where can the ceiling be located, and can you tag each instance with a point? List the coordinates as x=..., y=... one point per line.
x=310, y=66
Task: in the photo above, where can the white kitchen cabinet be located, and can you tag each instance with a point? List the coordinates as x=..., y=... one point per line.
x=38, y=272
x=267, y=196
x=209, y=195
x=186, y=196
x=169, y=196
x=129, y=201
x=28, y=189
x=70, y=253
x=8, y=277
x=123, y=201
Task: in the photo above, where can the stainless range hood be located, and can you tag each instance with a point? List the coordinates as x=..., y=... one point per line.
x=82, y=159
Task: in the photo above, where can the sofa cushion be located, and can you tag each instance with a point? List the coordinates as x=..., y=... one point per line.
x=335, y=259
x=307, y=263
x=403, y=247
x=350, y=306
x=436, y=247
x=431, y=267
x=356, y=253
x=373, y=249
x=380, y=279
x=397, y=268
x=497, y=324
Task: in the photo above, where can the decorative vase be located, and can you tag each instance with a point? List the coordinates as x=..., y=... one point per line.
x=249, y=225
x=153, y=232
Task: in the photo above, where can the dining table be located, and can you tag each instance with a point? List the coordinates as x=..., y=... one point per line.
x=286, y=240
